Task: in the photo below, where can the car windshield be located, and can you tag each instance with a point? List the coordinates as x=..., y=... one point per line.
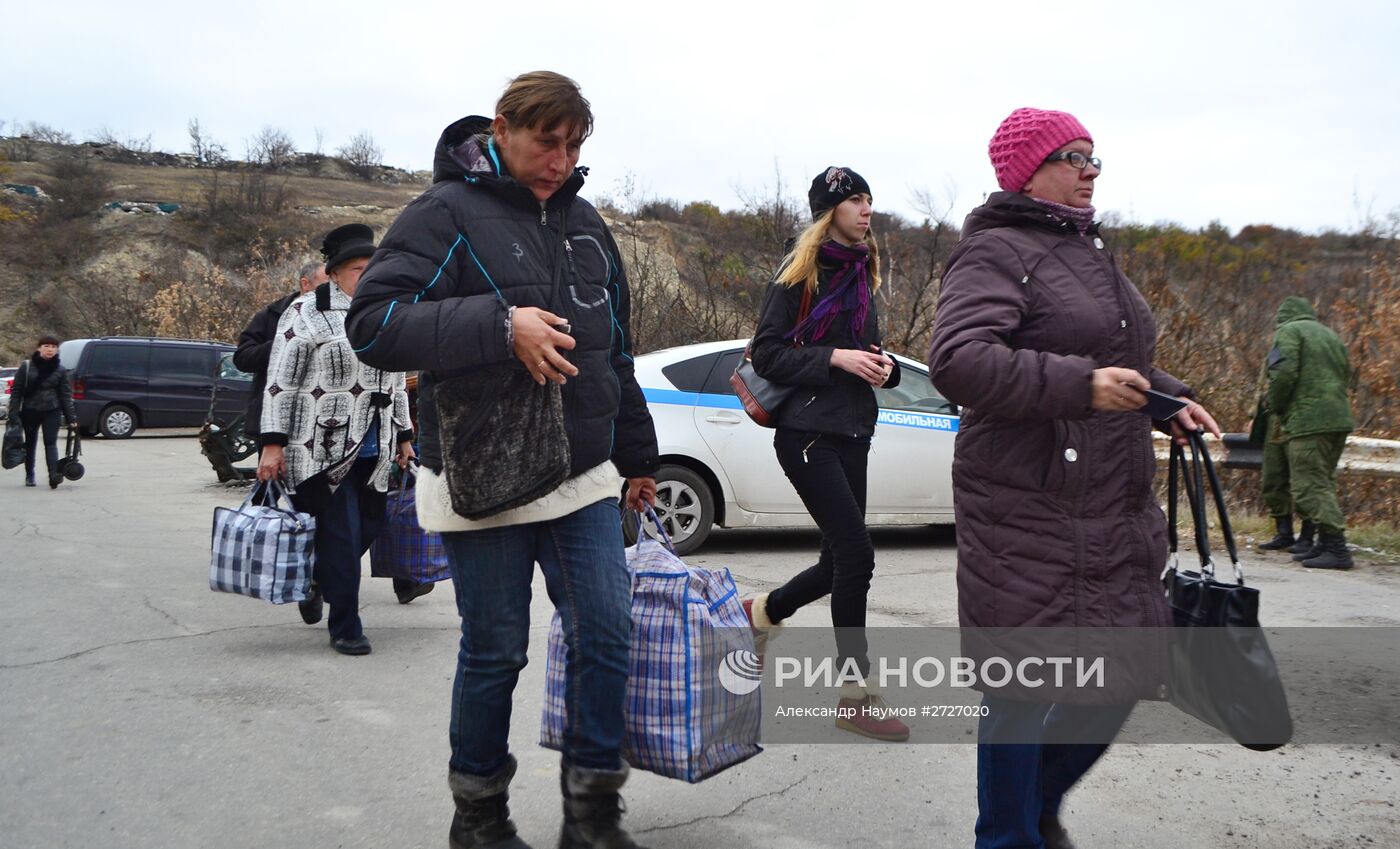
x=915, y=393
x=228, y=371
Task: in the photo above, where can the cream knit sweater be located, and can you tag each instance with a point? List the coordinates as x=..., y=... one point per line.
x=435, y=513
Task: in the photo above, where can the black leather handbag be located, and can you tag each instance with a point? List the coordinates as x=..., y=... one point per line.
x=14, y=443
x=1221, y=669
x=13, y=450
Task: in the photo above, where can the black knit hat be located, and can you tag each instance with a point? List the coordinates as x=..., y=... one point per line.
x=832, y=186
x=347, y=242
x=48, y=339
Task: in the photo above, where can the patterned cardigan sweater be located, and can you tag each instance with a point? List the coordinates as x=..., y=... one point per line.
x=320, y=400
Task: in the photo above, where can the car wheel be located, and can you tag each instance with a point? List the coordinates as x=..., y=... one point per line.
x=685, y=506
x=117, y=422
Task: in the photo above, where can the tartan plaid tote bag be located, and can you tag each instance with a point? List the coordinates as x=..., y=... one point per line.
x=403, y=549
x=694, y=704
x=263, y=550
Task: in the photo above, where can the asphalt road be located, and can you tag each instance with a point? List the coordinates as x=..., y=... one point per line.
x=138, y=709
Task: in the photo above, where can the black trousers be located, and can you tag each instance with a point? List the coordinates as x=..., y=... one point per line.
x=829, y=474
x=348, y=519
x=33, y=420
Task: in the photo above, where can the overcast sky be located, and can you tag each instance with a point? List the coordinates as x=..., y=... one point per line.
x=1285, y=113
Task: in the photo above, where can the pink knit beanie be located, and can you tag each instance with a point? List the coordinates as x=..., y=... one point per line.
x=1025, y=138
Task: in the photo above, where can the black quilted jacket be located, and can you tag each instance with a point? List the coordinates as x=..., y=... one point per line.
x=436, y=294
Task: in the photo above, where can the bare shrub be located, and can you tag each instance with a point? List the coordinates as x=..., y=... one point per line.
x=46, y=133
x=105, y=135
x=211, y=302
x=79, y=188
x=7, y=212
x=913, y=257
x=240, y=214
x=271, y=149
x=1366, y=315
x=362, y=155
x=207, y=150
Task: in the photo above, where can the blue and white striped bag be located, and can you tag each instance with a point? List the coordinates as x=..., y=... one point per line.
x=265, y=550
x=689, y=634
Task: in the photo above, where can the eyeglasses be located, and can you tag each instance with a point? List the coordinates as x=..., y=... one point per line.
x=1076, y=159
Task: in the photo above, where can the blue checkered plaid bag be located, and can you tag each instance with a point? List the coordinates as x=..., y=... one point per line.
x=403, y=549
x=689, y=633
x=263, y=550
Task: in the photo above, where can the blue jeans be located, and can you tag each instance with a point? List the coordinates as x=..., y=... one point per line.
x=585, y=573
x=1018, y=783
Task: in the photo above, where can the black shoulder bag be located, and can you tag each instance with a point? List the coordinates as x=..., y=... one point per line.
x=12, y=453
x=1222, y=671
x=503, y=438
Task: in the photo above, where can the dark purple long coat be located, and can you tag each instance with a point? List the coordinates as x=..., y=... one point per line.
x=1056, y=522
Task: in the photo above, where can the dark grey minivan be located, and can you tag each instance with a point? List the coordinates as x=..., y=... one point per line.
x=121, y=383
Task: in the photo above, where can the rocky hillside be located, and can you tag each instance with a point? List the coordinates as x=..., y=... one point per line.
x=95, y=233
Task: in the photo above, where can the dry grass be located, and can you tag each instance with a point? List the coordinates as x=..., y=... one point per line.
x=187, y=185
x=1371, y=541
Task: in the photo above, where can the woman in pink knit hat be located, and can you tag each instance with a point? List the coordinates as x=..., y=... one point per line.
x=1049, y=348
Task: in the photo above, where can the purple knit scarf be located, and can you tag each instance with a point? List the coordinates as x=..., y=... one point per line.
x=848, y=293
x=1080, y=216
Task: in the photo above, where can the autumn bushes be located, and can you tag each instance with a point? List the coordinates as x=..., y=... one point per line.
x=1215, y=296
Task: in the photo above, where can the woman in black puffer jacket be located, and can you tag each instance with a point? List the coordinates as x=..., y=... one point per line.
x=42, y=395
x=818, y=331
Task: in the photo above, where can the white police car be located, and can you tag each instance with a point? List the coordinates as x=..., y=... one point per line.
x=718, y=467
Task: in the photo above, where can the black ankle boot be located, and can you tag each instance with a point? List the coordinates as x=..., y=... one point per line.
x=483, y=818
x=29, y=479
x=1306, y=541
x=593, y=809
x=1283, y=538
x=1334, y=553
x=1052, y=831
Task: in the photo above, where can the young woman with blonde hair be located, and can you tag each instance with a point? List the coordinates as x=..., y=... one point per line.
x=818, y=330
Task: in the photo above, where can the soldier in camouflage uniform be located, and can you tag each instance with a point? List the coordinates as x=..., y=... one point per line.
x=1308, y=373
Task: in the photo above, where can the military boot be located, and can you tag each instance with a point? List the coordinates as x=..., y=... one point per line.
x=482, y=818
x=1283, y=538
x=1307, y=542
x=1334, y=553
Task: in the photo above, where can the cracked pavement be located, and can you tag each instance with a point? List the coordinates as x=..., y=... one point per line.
x=139, y=709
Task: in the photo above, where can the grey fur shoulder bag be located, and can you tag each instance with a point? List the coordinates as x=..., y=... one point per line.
x=504, y=443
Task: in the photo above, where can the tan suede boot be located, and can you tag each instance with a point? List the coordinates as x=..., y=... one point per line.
x=864, y=711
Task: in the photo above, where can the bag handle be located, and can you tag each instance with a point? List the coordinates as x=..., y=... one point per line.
x=1218, y=496
x=273, y=495
x=1179, y=478
x=1194, y=479
x=662, y=537
x=804, y=309
x=411, y=470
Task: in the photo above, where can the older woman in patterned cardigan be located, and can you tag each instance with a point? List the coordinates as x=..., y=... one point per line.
x=331, y=427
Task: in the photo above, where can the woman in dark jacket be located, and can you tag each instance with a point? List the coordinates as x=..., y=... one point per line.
x=1048, y=348
x=818, y=331
x=502, y=267
x=42, y=395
